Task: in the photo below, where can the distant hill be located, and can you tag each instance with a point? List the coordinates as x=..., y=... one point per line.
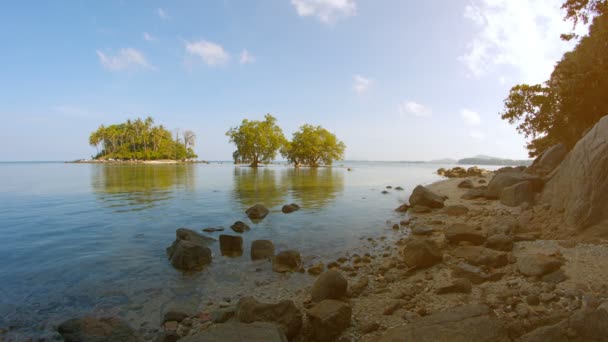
x=487, y=160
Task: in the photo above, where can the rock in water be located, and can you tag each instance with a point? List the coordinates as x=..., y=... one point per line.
x=329, y=285
x=231, y=245
x=262, y=249
x=257, y=212
x=425, y=197
x=421, y=253
x=239, y=227
x=328, y=319
x=105, y=329
x=580, y=186
x=235, y=331
x=285, y=314
x=290, y=208
x=458, y=324
x=287, y=261
x=549, y=160
x=517, y=194
x=189, y=251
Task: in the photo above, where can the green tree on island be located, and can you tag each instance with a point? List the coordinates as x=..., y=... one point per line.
x=576, y=96
x=141, y=140
x=256, y=141
x=313, y=146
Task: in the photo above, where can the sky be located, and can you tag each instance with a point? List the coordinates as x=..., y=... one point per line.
x=393, y=79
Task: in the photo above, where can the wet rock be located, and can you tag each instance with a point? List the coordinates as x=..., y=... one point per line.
x=466, y=184
x=473, y=273
x=104, y=329
x=537, y=264
x=481, y=256
x=425, y=197
x=290, y=208
x=395, y=227
x=287, y=261
x=460, y=285
x=518, y=194
x=384, y=192
x=285, y=314
x=420, y=209
x=189, y=251
x=239, y=227
x=500, y=242
x=458, y=324
x=329, y=285
x=328, y=319
x=399, y=188
x=455, y=210
x=403, y=208
x=213, y=229
x=236, y=331
x=231, y=245
x=257, y=212
x=421, y=253
x=461, y=232
x=262, y=249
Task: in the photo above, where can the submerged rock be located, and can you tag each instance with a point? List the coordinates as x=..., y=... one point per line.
x=231, y=245
x=290, y=208
x=329, y=285
x=285, y=314
x=287, y=261
x=239, y=227
x=104, y=329
x=189, y=251
x=425, y=197
x=262, y=249
x=257, y=212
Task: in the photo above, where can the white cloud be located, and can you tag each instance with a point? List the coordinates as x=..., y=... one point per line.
x=522, y=34
x=212, y=54
x=361, y=84
x=477, y=135
x=414, y=108
x=246, y=57
x=125, y=59
x=326, y=10
x=162, y=13
x=470, y=117
x=149, y=38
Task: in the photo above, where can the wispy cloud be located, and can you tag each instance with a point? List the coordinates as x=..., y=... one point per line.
x=148, y=37
x=211, y=53
x=523, y=34
x=162, y=14
x=361, y=84
x=125, y=59
x=470, y=117
x=246, y=57
x=326, y=11
x=414, y=108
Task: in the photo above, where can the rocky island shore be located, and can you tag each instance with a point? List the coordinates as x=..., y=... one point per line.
x=518, y=254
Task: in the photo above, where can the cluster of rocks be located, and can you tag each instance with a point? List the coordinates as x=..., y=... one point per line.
x=460, y=172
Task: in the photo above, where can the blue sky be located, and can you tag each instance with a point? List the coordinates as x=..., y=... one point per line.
x=394, y=79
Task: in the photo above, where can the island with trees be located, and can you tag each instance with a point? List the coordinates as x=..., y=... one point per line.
x=141, y=140
x=259, y=142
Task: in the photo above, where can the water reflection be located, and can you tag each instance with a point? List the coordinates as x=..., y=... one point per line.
x=140, y=187
x=314, y=187
x=258, y=185
x=309, y=187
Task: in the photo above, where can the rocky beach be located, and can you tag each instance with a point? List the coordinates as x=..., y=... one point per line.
x=517, y=254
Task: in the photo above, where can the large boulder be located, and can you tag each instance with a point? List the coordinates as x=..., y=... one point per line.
x=517, y=194
x=579, y=188
x=235, y=331
x=231, y=245
x=506, y=179
x=329, y=285
x=90, y=329
x=460, y=232
x=284, y=313
x=549, y=160
x=421, y=253
x=287, y=261
x=262, y=249
x=425, y=197
x=458, y=324
x=328, y=319
x=189, y=251
x=257, y=212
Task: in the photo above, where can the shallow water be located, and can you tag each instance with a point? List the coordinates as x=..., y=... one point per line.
x=87, y=238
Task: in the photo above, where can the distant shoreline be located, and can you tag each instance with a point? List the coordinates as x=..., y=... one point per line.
x=162, y=161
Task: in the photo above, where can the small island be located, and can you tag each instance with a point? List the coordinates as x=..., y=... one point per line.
x=140, y=141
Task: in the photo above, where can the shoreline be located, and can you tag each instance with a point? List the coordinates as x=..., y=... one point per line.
x=150, y=162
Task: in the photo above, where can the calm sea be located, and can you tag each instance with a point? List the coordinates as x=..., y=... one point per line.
x=85, y=238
